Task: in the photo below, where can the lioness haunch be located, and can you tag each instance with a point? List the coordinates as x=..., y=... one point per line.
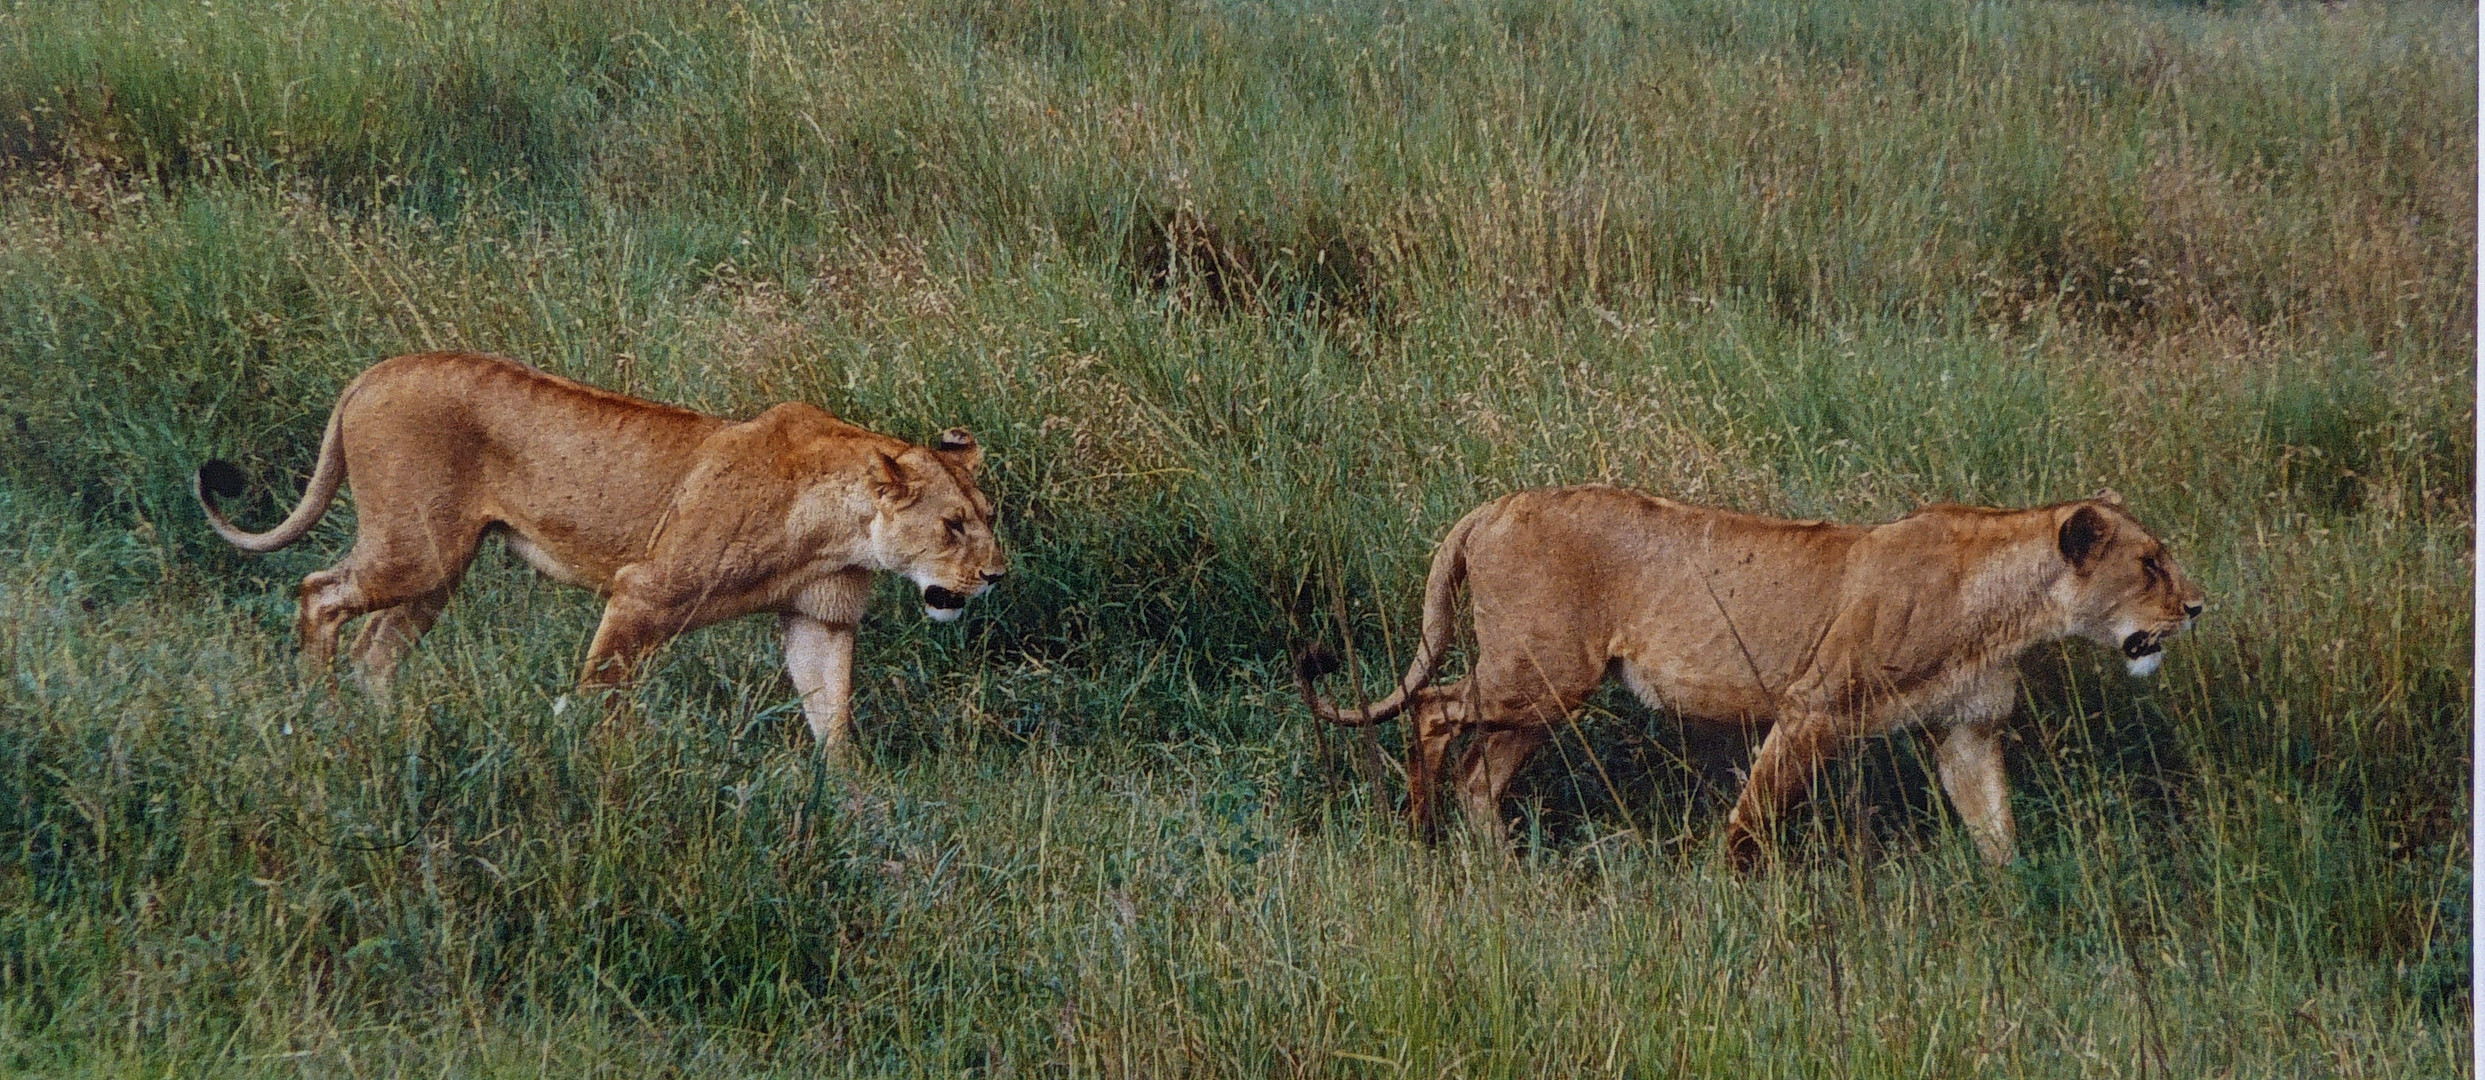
x=1825, y=632
x=679, y=518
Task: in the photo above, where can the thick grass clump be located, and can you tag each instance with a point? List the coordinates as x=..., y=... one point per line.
x=1248, y=302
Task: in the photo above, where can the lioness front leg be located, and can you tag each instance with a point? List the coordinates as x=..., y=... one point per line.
x=631, y=629
x=1782, y=771
x=820, y=657
x=1969, y=758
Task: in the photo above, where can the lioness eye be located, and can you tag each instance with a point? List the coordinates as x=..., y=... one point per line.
x=955, y=526
x=2148, y=565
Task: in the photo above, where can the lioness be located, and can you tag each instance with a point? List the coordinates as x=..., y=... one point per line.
x=680, y=518
x=1825, y=632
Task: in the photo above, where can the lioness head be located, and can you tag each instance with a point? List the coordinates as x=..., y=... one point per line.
x=933, y=525
x=2124, y=590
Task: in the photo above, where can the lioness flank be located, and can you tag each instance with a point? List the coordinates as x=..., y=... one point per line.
x=1824, y=632
x=679, y=518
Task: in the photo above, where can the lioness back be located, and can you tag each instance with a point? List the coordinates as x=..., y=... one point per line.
x=1681, y=593
x=584, y=474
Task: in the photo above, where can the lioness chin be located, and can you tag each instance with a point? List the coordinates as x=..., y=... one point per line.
x=1823, y=632
x=680, y=519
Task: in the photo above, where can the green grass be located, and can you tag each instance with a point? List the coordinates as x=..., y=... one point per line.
x=1249, y=301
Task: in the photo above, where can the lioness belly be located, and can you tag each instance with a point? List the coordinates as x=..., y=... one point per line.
x=548, y=565
x=1704, y=700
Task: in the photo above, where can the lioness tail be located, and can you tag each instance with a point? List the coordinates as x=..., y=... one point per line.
x=221, y=478
x=1449, y=570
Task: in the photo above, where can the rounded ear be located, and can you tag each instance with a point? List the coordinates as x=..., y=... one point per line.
x=889, y=482
x=2108, y=496
x=2083, y=537
x=961, y=450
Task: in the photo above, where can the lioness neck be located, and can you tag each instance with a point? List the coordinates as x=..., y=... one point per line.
x=2011, y=600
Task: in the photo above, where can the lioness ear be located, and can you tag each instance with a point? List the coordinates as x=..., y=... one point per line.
x=889, y=482
x=2083, y=537
x=2108, y=496
x=960, y=448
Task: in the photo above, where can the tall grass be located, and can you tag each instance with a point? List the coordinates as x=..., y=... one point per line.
x=1249, y=302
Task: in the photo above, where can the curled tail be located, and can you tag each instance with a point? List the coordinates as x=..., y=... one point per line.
x=1449, y=569
x=221, y=478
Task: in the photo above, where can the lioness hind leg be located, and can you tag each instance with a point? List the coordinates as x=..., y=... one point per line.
x=1438, y=714
x=1519, y=696
x=329, y=598
x=379, y=576
x=390, y=634
x=1485, y=772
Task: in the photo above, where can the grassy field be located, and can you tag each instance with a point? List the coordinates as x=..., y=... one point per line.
x=1248, y=301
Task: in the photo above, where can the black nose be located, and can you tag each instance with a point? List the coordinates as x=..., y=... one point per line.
x=995, y=575
x=2192, y=611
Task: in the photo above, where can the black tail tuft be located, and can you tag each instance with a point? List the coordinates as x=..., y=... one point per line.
x=222, y=479
x=1315, y=661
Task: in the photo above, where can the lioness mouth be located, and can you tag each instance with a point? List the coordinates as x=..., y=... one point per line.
x=2142, y=643
x=936, y=597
